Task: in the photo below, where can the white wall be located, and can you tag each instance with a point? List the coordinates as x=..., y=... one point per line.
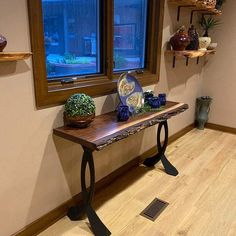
x=38, y=171
x=220, y=73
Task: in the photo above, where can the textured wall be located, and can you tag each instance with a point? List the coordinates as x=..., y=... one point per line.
x=38, y=171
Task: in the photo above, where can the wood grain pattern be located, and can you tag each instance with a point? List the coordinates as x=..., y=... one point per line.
x=50, y=218
x=196, y=5
x=222, y=128
x=105, y=129
x=202, y=199
x=14, y=56
x=191, y=53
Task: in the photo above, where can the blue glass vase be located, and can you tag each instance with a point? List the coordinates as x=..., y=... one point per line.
x=162, y=97
x=154, y=102
x=123, y=113
x=147, y=95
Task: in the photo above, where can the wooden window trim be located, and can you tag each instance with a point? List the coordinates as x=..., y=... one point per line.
x=53, y=93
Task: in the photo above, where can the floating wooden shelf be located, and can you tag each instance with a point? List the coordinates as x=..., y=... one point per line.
x=189, y=54
x=195, y=6
x=14, y=56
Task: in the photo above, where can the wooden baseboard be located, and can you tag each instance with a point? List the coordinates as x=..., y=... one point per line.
x=53, y=216
x=221, y=128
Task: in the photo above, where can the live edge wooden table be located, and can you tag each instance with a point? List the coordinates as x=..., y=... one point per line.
x=104, y=131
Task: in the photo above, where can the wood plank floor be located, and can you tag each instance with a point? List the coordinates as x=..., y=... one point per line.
x=202, y=199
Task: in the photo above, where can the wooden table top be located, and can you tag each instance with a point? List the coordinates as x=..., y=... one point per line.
x=105, y=129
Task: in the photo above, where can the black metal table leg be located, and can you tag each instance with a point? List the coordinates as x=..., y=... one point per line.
x=75, y=213
x=160, y=156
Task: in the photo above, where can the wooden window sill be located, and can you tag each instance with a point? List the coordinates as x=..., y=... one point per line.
x=57, y=93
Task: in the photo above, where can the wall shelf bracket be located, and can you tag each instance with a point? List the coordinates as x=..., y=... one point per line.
x=179, y=9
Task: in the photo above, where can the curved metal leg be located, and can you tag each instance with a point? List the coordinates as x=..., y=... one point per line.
x=151, y=161
x=75, y=213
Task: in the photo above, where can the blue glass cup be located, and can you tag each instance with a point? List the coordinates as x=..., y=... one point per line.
x=154, y=102
x=162, y=97
x=123, y=113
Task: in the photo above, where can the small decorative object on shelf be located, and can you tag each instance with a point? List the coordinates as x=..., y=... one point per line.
x=79, y=110
x=3, y=42
x=207, y=24
x=212, y=46
x=162, y=97
x=204, y=6
x=202, y=111
x=208, y=3
x=194, y=39
x=130, y=92
x=154, y=102
x=123, y=113
x=180, y=40
x=219, y=3
x=148, y=94
x=204, y=43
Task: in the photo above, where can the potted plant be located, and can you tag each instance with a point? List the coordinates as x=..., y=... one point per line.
x=79, y=110
x=207, y=24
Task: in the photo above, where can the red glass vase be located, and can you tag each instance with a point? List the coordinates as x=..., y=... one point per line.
x=3, y=42
x=180, y=40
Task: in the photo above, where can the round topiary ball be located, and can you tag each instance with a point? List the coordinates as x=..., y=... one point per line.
x=79, y=104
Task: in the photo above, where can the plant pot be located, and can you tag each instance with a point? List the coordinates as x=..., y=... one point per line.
x=202, y=111
x=204, y=43
x=78, y=121
x=3, y=42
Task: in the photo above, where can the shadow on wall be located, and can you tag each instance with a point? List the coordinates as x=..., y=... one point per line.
x=62, y=170
x=9, y=68
x=181, y=73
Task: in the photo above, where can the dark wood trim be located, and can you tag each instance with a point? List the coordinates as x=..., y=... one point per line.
x=155, y=30
x=53, y=93
x=221, y=128
x=53, y=216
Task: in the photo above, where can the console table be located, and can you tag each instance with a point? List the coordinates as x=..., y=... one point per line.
x=104, y=131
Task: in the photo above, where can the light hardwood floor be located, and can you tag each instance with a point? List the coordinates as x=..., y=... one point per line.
x=202, y=198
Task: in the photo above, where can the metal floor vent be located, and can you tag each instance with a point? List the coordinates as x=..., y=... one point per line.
x=154, y=209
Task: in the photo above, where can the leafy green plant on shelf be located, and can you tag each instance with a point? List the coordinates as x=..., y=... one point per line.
x=79, y=104
x=208, y=24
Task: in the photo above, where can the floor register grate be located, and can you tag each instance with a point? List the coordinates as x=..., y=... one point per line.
x=154, y=209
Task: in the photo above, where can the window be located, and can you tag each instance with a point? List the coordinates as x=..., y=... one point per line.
x=130, y=23
x=71, y=37
x=84, y=45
